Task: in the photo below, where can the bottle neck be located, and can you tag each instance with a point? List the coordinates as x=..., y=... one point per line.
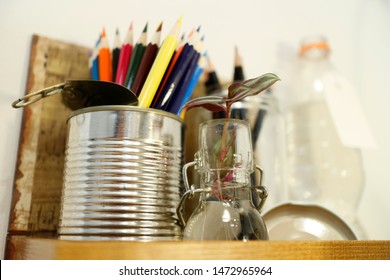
x=232, y=194
x=314, y=48
x=314, y=63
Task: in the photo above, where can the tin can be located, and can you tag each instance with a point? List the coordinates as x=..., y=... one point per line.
x=122, y=175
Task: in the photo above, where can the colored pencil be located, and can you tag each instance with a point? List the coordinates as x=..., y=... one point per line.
x=238, y=75
x=171, y=66
x=136, y=57
x=191, y=86
x=147, y=61
x=173, y=105
x=175, y=76
x=159, y=66
x=116, y=49
x=105, y=66
x=212, y=83
x=95, y=61
x=124, y=57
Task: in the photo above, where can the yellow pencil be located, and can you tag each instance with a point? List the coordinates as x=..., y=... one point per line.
x=159, y=66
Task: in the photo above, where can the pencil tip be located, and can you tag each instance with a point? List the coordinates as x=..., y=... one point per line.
x=159, y=27
x=145, y=28
x=191, y=32
x=180, y=20
x=104, y=32
x=131, y=26
x=198, y=29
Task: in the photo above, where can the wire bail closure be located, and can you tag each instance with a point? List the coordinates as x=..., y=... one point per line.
x=260, y=190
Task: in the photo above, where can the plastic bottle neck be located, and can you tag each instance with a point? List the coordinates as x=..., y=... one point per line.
x=314, y=48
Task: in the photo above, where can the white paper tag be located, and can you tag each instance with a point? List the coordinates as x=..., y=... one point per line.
x=347, y=113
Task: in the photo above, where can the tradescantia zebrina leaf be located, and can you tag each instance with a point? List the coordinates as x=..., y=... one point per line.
x=211, y=103
x=223, y=149
x=240, y=90
x=236, y=92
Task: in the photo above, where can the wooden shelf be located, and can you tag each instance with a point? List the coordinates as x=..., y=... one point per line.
x=40, y=248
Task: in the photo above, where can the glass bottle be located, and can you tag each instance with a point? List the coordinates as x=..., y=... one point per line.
x=266, y=123
x=267, y=130
x=320, y=169
x=226, y=208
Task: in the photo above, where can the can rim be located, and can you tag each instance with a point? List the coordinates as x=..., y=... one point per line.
x=124, y=108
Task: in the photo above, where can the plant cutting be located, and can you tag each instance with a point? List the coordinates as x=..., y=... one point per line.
x=236, y=92
x=224, y=161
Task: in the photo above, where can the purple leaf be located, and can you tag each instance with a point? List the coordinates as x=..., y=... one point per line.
x=251, y=87
x=211, y=103
x=233, y=88
x=236, y=92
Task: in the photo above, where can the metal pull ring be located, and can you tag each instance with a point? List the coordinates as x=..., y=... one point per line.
x=78, y=94
x=263, y=194
x=260, y=190
x=38, y=95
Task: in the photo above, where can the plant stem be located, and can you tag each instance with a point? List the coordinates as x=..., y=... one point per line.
x=223, y=151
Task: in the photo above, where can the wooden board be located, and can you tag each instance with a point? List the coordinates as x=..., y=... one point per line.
x=206, y=250
x=39, y=169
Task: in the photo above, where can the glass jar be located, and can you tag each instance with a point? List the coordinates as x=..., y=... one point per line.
x=225, y=163
x=267, y=127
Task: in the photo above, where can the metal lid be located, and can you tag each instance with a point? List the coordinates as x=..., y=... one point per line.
x=305, y=222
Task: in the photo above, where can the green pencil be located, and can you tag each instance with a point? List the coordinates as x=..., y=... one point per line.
x=136, y=58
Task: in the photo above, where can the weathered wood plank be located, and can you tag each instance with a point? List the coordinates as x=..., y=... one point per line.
x=40, y=160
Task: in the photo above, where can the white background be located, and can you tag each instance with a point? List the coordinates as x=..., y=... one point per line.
x=302, y=270
x=358, y=32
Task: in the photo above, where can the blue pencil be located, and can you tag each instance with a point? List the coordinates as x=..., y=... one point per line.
x=95, y=61
x=177, y=73
x=191, y=86
x=174, y=104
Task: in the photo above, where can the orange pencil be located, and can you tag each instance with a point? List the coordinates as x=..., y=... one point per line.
x=105, y=65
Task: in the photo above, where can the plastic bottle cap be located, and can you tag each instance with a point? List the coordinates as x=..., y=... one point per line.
x=314, y=45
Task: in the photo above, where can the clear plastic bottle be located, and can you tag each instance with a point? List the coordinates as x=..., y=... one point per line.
x=320, y=169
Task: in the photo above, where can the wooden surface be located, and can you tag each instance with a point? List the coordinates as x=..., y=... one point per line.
x=39, y=169
x=207, y=250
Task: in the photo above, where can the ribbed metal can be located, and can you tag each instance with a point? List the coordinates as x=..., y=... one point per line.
x=122, y=174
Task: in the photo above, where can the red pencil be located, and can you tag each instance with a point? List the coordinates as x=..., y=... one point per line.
x=124, y=57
